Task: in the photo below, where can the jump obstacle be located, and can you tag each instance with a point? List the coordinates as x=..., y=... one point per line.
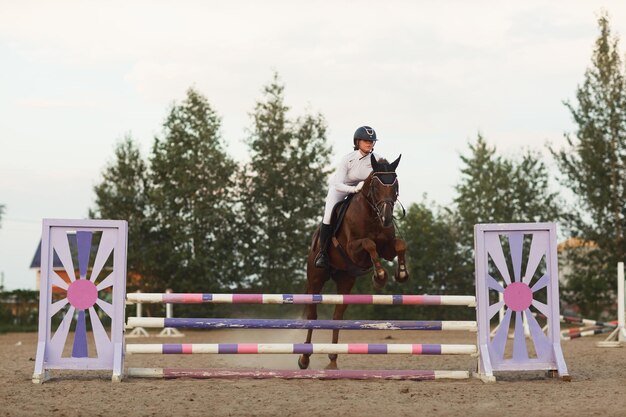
x=103, y=242
x=617, y=338
x=591, y=327
x=138, y=331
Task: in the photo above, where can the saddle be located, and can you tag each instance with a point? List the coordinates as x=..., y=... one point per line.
x=339, y=212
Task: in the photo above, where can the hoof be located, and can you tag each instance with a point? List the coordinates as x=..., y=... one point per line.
x=333, y=361
x=303, y=362
x=401, y=275
x=379, y=283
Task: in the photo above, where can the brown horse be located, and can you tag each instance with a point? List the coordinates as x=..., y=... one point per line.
x=365, y=235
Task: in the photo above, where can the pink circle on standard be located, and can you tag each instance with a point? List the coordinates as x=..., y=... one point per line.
x=518, y=296
x=82, y=294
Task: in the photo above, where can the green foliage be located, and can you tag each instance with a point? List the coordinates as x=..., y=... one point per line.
x=123, y=194
x=436, y=263
x=19, y=310
x=435, y=258
x=191, y=199
x=593, y=165
x=282, y=191
x=494, y=189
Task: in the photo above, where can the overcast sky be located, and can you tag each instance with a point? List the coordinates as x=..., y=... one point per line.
x=75, y=77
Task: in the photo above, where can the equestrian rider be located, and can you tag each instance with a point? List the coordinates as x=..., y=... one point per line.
x=348, y=178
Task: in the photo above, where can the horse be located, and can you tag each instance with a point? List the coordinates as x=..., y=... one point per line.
x=365, y=235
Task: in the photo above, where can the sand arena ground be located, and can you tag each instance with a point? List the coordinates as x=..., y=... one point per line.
x=598, y=384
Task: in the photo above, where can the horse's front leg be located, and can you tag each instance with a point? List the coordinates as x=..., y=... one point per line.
x=311, y=314
x=402, y=273
x=379, y=278
x=316, y=278
x=344, y=286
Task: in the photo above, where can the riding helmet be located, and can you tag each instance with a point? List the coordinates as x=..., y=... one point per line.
x=364, y=133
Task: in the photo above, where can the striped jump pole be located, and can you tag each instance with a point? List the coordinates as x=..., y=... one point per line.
x=587, y=322
x=169, y=331
x=138, y=331
x=199, y=298
x=222, y=323
x=301, y=348
x=580, y=320
x=584, y=333
x=575, y=330
x=609, y=325
x=410, y=375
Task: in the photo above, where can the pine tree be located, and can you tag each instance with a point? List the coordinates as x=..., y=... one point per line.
x=436, y=261
x=593, y=165
x=122, y=194
x=283, y=189
x=191, y=199
x=494, y=189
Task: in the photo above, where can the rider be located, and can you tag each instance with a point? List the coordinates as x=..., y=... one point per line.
x=349, y=177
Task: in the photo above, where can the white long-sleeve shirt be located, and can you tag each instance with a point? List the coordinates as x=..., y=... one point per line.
x=352, y=169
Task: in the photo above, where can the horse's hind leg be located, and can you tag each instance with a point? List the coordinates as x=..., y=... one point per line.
x=402, y=273
x=344, y=286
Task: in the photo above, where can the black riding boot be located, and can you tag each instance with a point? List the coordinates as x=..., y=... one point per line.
x=322, y=257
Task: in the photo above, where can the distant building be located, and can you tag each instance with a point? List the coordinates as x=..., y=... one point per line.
x=565, y=267
x=57, y=265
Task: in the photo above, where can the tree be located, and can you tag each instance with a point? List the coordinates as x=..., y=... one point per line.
x=122, y=194
x=2, y=208
x=494, y=189
x=436, y=261
x=593, y=166
x=192, y=199
x=433, y=251
x=282, y=191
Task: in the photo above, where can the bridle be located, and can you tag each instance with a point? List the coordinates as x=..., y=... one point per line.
x=378, y=207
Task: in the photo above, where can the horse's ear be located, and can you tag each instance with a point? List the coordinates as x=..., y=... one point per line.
x=374, y=162
x=395, y=163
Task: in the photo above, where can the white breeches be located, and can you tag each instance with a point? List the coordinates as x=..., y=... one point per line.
x=332, y=198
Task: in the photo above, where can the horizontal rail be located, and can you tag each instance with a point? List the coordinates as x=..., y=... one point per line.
x=301, y=348
x=198, y=298
x=580, y=320
x=585, y=333
x=220, y=323
x=588, y=322
x=413, y=375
